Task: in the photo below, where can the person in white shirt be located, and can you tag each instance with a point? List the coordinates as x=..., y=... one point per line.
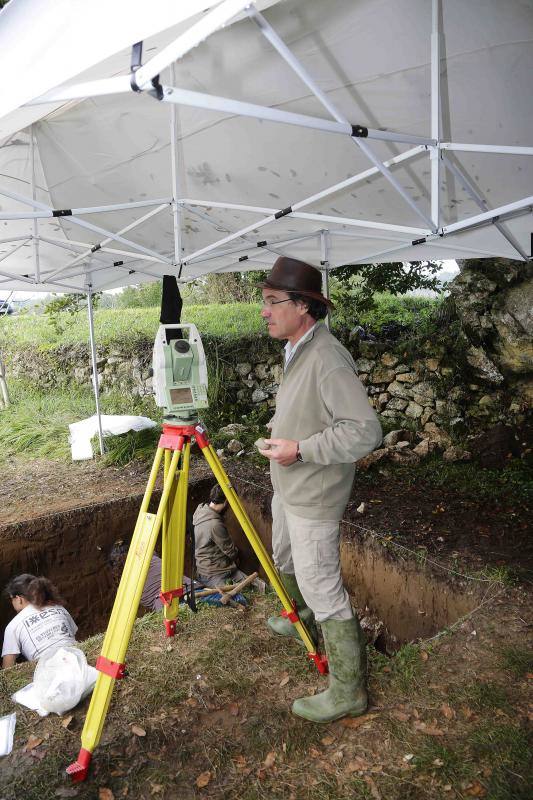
x=41, y=624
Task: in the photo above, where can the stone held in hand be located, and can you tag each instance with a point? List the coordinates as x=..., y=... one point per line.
x=261, y=444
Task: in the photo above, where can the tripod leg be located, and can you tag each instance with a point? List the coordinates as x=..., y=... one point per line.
x=259, y=549
x=173, y=546
x=111, y=662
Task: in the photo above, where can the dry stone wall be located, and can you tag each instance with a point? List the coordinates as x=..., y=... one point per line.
x=412, y=390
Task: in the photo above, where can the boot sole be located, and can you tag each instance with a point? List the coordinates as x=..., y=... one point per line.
x=331, y=719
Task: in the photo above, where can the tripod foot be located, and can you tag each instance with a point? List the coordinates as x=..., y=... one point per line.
x=170, y=627
x=79, y=769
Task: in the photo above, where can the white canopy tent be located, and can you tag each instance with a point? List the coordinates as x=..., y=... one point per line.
x=336, y=131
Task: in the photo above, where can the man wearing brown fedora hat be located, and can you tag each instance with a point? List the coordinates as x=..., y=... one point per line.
x=322, y=425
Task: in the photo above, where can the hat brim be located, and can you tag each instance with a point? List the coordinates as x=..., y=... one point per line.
x=266, y=284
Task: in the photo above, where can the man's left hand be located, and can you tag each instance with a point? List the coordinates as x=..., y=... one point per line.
x=282, y=451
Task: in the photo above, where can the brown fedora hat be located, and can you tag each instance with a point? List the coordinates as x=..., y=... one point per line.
x=291, y=275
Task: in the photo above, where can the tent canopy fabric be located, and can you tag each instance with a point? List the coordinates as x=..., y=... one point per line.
x=335, y=132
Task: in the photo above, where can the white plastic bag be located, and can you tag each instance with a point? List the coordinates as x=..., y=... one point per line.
x=62, y=678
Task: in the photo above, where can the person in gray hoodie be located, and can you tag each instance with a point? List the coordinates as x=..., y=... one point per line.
x=323, y=423
x=216, y=555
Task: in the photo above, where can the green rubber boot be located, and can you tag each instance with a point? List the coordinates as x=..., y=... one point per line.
x=346, y=695
x=283, y=626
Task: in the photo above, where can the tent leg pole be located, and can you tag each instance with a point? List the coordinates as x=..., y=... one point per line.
x=324, y=261
x=435, y=154
x=35, y=237
x=95, y=370
x=174, y=157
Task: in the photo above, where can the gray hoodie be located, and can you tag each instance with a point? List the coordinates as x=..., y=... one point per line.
x=215, y=552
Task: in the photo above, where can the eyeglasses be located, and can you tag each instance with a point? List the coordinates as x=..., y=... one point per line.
x=269, y=302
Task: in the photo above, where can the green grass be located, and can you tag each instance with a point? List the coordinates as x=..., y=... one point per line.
x=409, y=310
x=483, y=696
x=508, y=749
x=227, y=320
x=449, y=764
x=129, y=325
x=514, y=481
x=35, y=425
x=517, y=659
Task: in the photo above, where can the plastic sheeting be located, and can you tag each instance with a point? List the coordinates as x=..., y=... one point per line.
x=82, y=432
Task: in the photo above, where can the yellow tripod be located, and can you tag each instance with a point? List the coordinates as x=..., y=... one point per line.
x=174, y=444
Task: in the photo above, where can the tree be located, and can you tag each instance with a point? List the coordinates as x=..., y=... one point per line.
x=355, y=286
x=57, y=308
x=233, y=287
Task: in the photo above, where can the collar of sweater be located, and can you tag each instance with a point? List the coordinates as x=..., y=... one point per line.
x=290, y=351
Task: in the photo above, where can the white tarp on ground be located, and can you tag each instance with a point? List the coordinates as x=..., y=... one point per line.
x=370, y=61
x=82, y=432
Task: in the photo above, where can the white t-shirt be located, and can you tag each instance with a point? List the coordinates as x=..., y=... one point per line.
x=35, y=630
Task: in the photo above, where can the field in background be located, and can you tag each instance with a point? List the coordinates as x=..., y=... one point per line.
x=216, y=319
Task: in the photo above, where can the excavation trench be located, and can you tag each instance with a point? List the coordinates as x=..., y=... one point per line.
x=407, y=600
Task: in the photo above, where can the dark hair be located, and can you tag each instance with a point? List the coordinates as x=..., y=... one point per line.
x=117, y=557
x=315, y=308
x=38, y=591
x=216, y=495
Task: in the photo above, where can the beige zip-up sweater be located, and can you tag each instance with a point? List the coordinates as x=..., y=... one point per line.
x=323, y=405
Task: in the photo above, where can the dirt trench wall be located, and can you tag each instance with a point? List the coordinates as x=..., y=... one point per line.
x=71, y=548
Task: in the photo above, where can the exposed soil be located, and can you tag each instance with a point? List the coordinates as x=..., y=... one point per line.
x=208, y=715
x=443, y=522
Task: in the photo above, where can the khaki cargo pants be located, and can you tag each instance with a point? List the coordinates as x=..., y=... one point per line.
x=310, y=549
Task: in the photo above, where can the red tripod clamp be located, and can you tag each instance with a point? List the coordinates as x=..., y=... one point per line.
x=167, y=597
x=292, y=616
x=111, y=668
x=320, y=661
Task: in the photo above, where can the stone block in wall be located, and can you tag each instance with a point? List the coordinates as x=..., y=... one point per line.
x=456, y=393
x=276, y=372
x=244, y=368
x=390, y=414
x=383, y=375
x=401, y=368
x=427, y=415
x=382, y=400
x=389, y=359
x=414, y=410
x=258, y=395
x=364, y=365
x=423, y=448
x=262, y=371
x=398, y=390
x=432, y=364
x=407, y=377
x=435, y=434
x=397, y=404
x=424, y=389
x=363, y=377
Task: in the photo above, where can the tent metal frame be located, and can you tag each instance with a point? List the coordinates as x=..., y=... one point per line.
x=126, y=253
